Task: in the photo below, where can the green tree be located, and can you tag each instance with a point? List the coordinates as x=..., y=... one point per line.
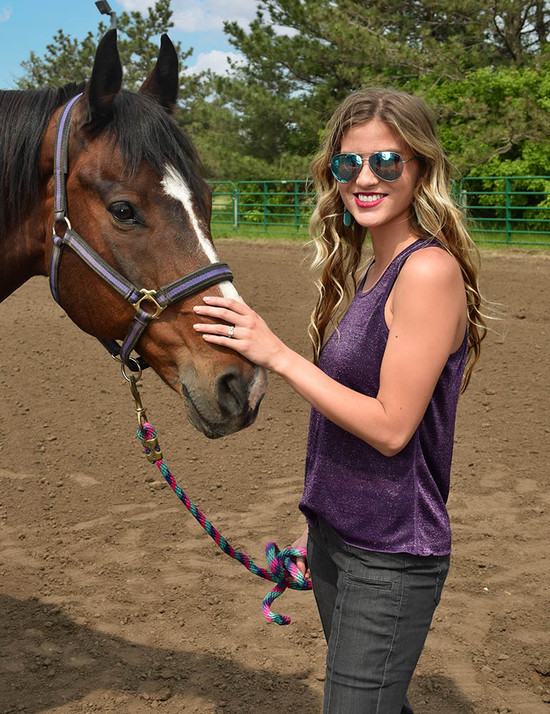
x=304, y=56
x=68, y=59
x=520, y=30
x=496, y=120
x=482, y=64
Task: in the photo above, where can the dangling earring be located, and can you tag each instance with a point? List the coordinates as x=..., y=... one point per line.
x=347, y=218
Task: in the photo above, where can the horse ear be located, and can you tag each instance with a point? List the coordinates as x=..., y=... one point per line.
x=106, y=79
x=163, y=82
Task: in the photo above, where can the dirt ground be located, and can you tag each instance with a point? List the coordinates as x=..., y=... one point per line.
x=112, y=598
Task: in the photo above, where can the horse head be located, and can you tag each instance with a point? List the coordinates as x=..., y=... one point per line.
x=135, y=195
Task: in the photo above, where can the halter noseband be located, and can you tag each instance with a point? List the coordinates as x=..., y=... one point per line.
x=173, y=292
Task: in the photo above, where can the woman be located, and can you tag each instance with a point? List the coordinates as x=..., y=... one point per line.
x=384, y=388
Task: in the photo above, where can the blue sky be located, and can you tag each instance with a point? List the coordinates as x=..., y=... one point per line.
x=29, y=25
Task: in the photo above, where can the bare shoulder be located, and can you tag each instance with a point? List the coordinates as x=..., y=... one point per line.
x=429, y=294
x=432, y=268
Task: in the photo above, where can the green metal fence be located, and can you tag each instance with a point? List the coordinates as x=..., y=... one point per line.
x=262, y=204
x=507, y=209
x=501, y=209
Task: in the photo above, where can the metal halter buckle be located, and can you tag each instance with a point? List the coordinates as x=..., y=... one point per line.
x=150, y=296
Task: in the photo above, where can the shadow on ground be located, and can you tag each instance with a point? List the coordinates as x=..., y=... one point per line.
x=47, y=660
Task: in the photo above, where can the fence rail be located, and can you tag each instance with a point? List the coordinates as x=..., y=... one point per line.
x=262, y=204
x=507, y=209
x=501, y=209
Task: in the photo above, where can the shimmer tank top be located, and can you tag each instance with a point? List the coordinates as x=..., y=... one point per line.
x=389, y=504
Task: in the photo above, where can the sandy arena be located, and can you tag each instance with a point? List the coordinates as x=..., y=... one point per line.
x=113, y=599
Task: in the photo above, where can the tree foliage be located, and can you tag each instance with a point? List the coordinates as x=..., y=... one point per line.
x=494, y=118
x=484, y=65
x=71, y=60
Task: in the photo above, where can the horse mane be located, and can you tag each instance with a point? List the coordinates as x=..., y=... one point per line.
x=141, y=128
x=24, y=116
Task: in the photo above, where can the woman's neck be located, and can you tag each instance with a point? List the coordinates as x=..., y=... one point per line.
x=385, y=249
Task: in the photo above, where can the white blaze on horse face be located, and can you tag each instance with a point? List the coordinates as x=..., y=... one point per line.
x=174, y=186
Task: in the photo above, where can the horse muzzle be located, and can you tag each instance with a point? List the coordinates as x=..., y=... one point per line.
x=225, y=406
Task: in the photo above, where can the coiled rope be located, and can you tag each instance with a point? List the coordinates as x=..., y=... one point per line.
x=283, y=570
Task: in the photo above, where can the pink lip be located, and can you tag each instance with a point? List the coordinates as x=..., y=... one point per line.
x=369, y=204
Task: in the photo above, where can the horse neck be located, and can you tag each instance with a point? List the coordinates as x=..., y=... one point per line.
x=22, y=254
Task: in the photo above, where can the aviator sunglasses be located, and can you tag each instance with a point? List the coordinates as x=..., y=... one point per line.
x=387, y=165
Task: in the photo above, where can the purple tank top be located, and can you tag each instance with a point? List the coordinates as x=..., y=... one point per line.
x=389, y=504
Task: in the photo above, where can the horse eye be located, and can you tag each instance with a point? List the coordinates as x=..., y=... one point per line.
x=123, y=211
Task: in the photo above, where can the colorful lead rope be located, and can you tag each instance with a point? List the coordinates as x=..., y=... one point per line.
x=283, y=570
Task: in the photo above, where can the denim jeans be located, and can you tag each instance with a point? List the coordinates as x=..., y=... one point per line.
x=376, y=609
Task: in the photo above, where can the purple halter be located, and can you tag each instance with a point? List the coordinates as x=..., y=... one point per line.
x=173, y=292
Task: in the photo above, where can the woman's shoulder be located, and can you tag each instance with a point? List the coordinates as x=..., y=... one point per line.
x=431, y=260
x=431, y=267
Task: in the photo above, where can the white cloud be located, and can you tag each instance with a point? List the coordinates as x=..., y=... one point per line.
x=208, y=15
x=286, y=31
x=216, y=61
x=137, y=5
x=202, y=15
x=5, y=14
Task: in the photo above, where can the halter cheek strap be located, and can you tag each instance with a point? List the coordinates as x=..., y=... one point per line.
x=160, y=299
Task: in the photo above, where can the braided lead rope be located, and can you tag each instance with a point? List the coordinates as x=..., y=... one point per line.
x=283, y=570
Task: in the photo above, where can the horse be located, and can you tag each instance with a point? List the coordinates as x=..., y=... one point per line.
x=102, y=192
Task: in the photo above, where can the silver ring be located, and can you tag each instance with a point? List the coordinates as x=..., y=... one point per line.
x=123, y=366
x=231, y=331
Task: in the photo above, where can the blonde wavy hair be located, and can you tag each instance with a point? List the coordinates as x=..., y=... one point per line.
x=434, y=214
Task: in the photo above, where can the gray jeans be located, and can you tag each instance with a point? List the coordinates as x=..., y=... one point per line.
x=376, y=609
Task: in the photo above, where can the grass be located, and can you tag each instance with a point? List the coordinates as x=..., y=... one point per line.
x=517, y=240
x=259, y=232
x=288, y=233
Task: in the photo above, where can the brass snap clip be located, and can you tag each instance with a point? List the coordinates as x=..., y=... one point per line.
x=140, y=409
x=151, y=446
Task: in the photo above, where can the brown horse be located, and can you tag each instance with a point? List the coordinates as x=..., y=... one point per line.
x=116, y=163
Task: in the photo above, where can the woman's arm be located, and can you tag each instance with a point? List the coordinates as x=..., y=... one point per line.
x=428, y=315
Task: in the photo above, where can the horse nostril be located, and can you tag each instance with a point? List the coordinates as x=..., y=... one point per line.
x=232, y=393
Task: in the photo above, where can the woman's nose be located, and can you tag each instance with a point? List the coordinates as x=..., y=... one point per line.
x=366, y=177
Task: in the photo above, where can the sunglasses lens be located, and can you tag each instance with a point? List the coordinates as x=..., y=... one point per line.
x=345, y=167
x=387, y=165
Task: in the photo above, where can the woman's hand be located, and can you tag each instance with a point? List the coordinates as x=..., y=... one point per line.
x=250, y=336
x=301, y=562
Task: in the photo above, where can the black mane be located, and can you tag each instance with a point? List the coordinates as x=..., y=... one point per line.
x=24, y=116
x=139, y=125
